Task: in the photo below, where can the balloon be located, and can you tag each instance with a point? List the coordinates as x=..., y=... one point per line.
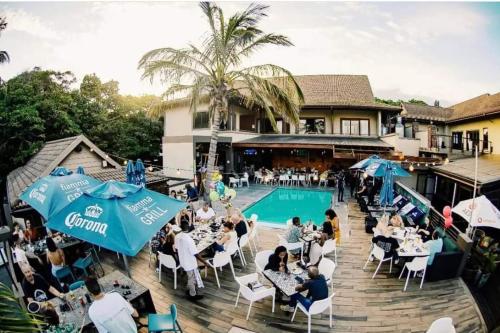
x=447, y=211
x=231, y=193
x=211, y=185
x=214, y=196
x=226, y=189
x=448, y=222
x=220, y=177
x=219, y=186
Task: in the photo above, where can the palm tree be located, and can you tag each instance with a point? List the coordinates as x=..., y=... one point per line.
x=4, y=56
x=213, y=73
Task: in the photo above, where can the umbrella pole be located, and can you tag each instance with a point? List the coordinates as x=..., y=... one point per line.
x=473, y=195
x=125, y=261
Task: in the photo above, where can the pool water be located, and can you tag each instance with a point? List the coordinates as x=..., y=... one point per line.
x=283, y=203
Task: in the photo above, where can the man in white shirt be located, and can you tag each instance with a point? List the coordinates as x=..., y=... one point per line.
x=188, y=253
x=110, y=313
x=205, y=213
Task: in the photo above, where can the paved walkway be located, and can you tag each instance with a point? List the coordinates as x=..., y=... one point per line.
x=360, y=303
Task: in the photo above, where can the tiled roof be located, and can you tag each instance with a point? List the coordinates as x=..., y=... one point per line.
x=426, y=112
x=338, y=90
x=476, y=107
x=119, y=175
x=488, y=169
x=43, y=162
x=336, y=140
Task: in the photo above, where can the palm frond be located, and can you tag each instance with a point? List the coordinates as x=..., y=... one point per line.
x=14, y=317
x=4, y=57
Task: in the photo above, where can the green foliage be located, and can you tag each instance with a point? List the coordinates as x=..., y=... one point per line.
x=41, y=105
x=14, y=317
x=399, y=101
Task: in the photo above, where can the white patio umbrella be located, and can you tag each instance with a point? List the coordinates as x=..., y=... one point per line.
x=480, y=212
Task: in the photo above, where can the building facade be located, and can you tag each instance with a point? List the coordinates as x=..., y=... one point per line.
x=340, y=122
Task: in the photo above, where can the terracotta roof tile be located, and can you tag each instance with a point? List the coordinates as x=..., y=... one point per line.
x=476, y=107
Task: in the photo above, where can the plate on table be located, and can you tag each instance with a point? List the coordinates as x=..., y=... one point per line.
x=297, y=271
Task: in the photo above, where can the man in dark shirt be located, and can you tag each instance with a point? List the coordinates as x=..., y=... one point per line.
x=316, y=287
x=340, y=186
x=192, y=194
x=36, y=288
x=388, y=244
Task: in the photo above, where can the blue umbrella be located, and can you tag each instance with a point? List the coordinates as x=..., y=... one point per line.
x=118, y=216
x=50, y=194
x=140, y=173
x=379, y=169
x=387, y=190
x=366, y=162
x=130, y=172
x=80, y=170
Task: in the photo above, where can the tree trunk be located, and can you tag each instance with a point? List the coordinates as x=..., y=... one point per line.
x=214, y=138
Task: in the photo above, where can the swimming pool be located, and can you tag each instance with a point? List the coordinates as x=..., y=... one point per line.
x=284, y=203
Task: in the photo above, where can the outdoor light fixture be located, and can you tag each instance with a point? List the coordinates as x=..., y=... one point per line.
x=418, y=164
x=150, y=169
x=411, y=168
x=178, y=172
x=446, y=161
x=365, y=175
x=426, y=164
x=124, y=162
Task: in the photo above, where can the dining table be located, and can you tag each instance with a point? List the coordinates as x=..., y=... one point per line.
x=286, y=282
x=205, y=234
x=76, y=315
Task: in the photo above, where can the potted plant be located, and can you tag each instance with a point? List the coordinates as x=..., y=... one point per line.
x=488, y=265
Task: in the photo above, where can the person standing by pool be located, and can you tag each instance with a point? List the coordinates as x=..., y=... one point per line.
x=340, y=186
x=188, y=255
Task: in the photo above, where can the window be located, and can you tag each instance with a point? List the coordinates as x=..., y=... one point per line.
x=312, y=126
x=201, y=120
x=247, y=122
x=355, y=126
x=485, y=138
x=456, y=140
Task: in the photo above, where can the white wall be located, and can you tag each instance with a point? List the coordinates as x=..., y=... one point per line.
x=178, y=155
x=408, y=146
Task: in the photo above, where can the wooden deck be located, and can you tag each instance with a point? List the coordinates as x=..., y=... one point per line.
x=360, y=303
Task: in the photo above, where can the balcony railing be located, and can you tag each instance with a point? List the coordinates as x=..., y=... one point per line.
x=441, y=143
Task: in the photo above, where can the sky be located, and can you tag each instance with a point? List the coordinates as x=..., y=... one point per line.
x=431, y=51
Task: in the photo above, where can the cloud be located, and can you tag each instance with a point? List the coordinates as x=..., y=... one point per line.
x=423, y=50
x=22, y=21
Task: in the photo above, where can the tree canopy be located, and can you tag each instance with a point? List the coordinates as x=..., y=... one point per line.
x=42, y=105
x=399, y=101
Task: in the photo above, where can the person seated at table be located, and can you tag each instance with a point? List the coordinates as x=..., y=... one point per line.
x=173, y=194
x=331, y=227
x=228, y=236
x=435, y=245
x=21, y=255
x=192, y=194
x=18, y=231
x=396, y=221
x=278, y=261
x=167, y=244
x=317, y=289
x=184, y=215
x=30, y=234
x=423, y=229
x=240, y=226
x=36, y=288
x=55, y=256
x=293, y=234
x=388, y=244
x=205, y=213
x=110, y=312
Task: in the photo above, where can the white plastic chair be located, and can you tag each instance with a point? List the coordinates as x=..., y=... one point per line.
x=233, y=182
x=169, y=262
x=378, y=253
x=327, y=268
x=253, y=295
x=416, y=265
x=244, y=241
x=316, y=307
x=295, y=180
x=233, y=249
x=282, y=180
x=257, y=177
x=302, y=180
x=291, y=246
x=323, y=181
x=244, y=180
x=442, y=325
x=220, y=260
x=261, y=260
x=329, y=246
